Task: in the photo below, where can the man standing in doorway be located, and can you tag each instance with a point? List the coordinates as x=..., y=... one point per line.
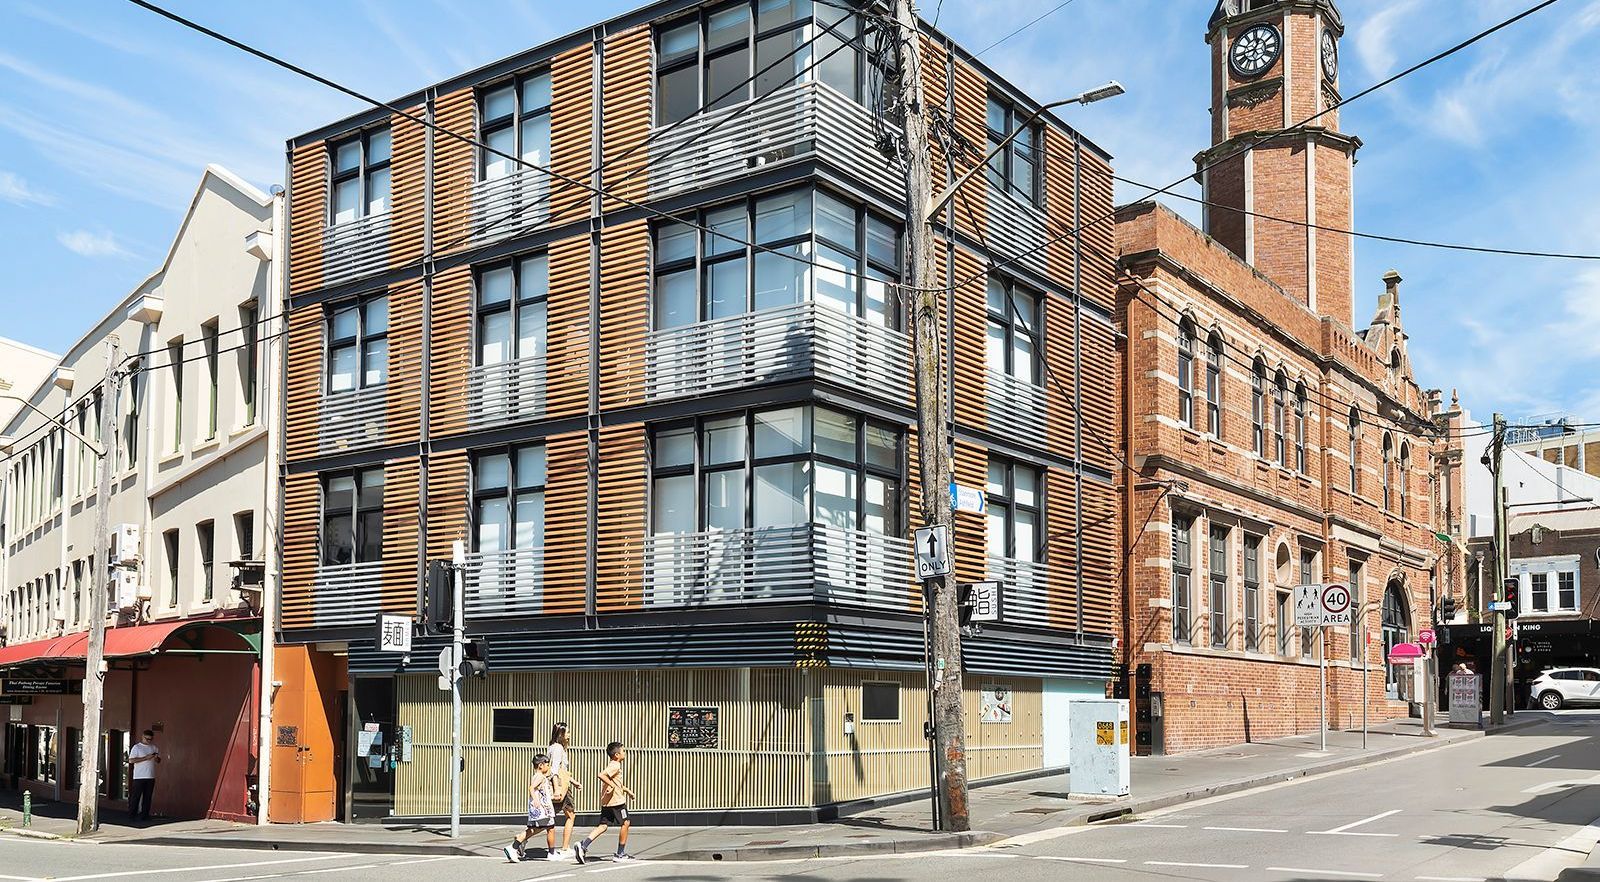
x=142, y=759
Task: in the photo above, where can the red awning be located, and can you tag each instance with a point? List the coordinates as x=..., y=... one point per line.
x=124, y=642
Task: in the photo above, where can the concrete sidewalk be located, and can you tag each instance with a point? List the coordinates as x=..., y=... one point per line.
x=998, y=811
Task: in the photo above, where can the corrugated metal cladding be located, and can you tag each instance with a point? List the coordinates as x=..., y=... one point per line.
x=878, y=646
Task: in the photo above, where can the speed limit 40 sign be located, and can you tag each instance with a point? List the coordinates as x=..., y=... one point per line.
x=1317, y=605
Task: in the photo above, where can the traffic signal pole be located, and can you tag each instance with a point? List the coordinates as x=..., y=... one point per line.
x=458, y=557
x=1497, y=664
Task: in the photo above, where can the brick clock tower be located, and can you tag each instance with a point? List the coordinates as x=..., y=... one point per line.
x=1275, y=63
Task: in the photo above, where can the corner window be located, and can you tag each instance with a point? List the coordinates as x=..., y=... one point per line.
x=514, y=119
x=352, y=517
x=512, y=310
x=358, y=344
x=1014, y=501
x=840, y=255
x=360, y=179
x=1013, y=330
x=1015, y=166
x=508, y=499
x=880, y=702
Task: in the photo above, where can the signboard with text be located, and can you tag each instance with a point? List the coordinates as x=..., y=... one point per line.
x=692, y=727
x=39, y=686
x=1318, y=605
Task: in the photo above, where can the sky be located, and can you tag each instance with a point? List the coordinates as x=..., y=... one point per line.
x=108, y=115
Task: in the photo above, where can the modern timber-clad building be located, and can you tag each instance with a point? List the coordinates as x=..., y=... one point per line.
x=680, y=451
x=1274, y=442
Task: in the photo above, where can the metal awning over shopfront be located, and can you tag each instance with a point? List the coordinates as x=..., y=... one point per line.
x=185, y=636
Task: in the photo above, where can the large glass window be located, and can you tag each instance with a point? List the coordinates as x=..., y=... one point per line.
x=1015, y=166
x=512, y=313
x=1182, y=574
x=1015, y=499
x=508, y=499
x=358, y=344
x=352, y=517
x=705, y=60
x=1217, y=565
x=360, y=179
x=1013, y=329
x=704, y=276
x=514, y=118
x=777, y=468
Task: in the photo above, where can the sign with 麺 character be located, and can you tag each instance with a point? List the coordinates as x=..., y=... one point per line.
x=394, y=633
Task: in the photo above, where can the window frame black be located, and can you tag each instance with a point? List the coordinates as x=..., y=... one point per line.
x=1006, y=502
x=511, y=492
x=358, y=507
x=362, y=171
x=512, y=120
x=513, y=304
x=1009, y=322
x=361, y=340
x=702, y=56
x=1007, y=156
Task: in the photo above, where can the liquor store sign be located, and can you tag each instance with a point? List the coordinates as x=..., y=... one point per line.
x=39, y=686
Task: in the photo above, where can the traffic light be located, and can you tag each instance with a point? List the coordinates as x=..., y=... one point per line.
x=1447, y=607
x=438, y=597
x=1513, y=597
x=476, y=662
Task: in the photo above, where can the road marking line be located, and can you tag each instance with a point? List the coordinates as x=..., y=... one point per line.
x=299, y=860
x=1351, y=873
x=1197, y=866
x=1161, y=826
x=546, y=878
x=21, y=878
x=1246, y=829
x=1540, y=763
x=1337, y=831
x=448, y=857
x=1084, y=860
x=1450, y=879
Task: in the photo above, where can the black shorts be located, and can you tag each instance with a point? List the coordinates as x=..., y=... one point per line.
x=614, y=814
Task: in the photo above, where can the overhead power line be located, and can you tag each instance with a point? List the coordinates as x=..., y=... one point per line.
x=1047, y=13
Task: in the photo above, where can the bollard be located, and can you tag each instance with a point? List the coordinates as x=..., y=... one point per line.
x=27, y=808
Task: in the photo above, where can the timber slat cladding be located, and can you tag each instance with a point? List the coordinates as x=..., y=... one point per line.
x=571, y=123
x=968, y=351
x=971, y=469
x=302, y=508
x=308, y=212
x=936, y=93
x=620, y=509
x=403, y=392
x=566, y=523
x=1060, y=552
x=1102, y=558
x=401, y=520
x=1102, y=396
x=1059, y=202
x=1058, y=392
x=972, y=112
x=1099, y=245
x=450, y=351
x=624, y=313
x=567, y=370
x=454, y=170
x=447, y=502
x=626, y=115
x=303, y=383
x=410, y=192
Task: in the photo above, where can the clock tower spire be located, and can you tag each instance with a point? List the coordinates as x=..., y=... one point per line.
x=1274, y=63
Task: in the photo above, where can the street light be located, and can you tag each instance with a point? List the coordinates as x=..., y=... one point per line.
x=1099, y=93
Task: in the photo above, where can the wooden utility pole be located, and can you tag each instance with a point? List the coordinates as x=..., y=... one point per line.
x=99, y=591
x=1497, y=663
x=949, y=724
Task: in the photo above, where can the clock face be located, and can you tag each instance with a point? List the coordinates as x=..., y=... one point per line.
x=1330, y=56
x=1256, y=50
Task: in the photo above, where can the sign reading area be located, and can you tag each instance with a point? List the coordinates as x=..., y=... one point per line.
x=1318, y=605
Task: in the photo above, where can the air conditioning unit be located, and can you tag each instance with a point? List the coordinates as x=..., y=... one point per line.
x=125, y=589
x=124, y=548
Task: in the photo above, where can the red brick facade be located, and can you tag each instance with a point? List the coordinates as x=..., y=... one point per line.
x=1280, y=321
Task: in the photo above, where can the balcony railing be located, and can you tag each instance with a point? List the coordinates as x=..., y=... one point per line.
x=1025, y=595
x=795, y=564
x=783, y=343
x=506, y=392
x=1016, y=227
x=504, y=583
x=342, y=595
x=355, y=248
x=504, y=206
x=1016, y=408
x=352, y=419
x=800, y=120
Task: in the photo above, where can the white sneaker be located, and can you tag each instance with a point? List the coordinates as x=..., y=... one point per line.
x=511, y=854
x=555, y=854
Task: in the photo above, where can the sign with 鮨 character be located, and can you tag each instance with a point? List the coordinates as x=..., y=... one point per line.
x=394, y=633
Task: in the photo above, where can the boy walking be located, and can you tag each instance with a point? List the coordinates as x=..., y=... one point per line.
x=613, y=806
x=541, y=813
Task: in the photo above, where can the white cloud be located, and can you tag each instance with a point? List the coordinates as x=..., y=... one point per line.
x=16, y=190
x=1375, y=44
x=94, y=245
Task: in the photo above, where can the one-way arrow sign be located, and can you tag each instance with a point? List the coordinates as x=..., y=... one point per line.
x=933, y=551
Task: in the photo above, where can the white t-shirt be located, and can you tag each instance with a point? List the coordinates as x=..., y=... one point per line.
x=147, y=769
x=558, y=759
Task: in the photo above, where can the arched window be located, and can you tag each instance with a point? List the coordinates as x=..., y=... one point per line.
x=1280, y=428
x=1214, y=384
x=1404, y=478
x=1388, y=471
x=1300, y=428
x=1355, y=451
x=1394, y=359
x=1258, y=408
x=1396, y=629
x=1186, y=373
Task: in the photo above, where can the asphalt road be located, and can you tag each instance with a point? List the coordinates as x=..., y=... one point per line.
x=1519, y=804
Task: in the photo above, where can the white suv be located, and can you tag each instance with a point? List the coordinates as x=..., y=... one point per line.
x=1558, y=686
